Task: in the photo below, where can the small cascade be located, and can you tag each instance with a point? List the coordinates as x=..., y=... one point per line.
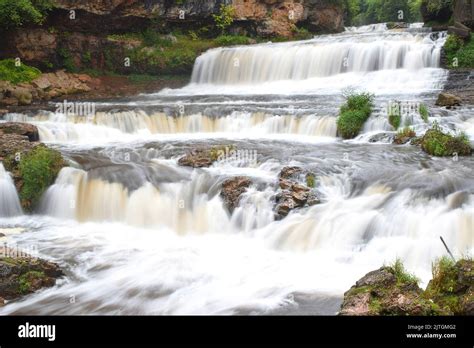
x=9, y=201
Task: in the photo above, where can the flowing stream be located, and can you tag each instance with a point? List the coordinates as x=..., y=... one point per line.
x=138, y=234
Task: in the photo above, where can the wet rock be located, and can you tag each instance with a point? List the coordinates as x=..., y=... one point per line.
x=199, y=158
x=448, y=100
x=290, y=172
x=460, y=30
x=232, y=189
x=22, y=274
x=293, y=193
x=397, y=25
x=196, y=159
x=382, y=138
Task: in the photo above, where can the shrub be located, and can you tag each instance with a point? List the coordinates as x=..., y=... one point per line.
x=17, y=74
x=14, y=13
x=38, y=170
x=437, y=143
x=354, y=113
x=459, y=54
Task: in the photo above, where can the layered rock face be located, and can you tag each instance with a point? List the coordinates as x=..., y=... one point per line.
x=74, y=28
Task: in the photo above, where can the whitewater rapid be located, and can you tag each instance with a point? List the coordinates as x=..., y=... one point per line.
x=138, y=234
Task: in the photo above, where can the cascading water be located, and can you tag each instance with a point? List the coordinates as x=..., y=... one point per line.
x=9, y=202
x=126, y=217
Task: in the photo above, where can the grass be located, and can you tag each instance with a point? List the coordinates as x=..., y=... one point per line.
x=353, y=114
x=403, y=135
x=231, y=40
x=403, y=277
x=459, y=54
x=424, y=112
x=9, y=71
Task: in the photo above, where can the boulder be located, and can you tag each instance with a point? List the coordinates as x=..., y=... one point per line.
x=386, y=292
x=296, y=190
x=448, y=100
x=24, y=129
x=232, y=189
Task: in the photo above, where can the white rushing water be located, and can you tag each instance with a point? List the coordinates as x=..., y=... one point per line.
x=9, y=202
x=138, y=234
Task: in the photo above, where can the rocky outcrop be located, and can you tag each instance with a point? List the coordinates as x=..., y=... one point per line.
x=45, y=87
x=17, y=138
x=232, y=190
x=22, y=274
x=463, y=12
x=390, y=290
x=295, y=191
x=460, y=84
x=85, y=40
x=448, y=100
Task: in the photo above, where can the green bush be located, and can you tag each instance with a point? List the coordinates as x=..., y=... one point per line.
x=230, y=40
x=14, y=13
x=354, y=113
x=437, y=143
x=38, y=170
x=17, y=74
x=459, y=54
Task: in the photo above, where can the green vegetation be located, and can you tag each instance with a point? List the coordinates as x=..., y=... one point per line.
x=37, y=169
x=225, y=18
x=17, y=74
x=394, y=117
x=437, y=143
x=459, y=54
x=354, y=113
x=435, y=6
x=450, y=285
x=25, y=281
x=361, y=12
x=310, y=180
x=67, y=60
x=424, y=113
x=404, y=135
x=14, y=13
x=401, y=274
x=230, y=40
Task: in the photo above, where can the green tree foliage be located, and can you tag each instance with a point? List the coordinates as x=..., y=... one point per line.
x=361, y=12
x=14, y=13
x=225, y=17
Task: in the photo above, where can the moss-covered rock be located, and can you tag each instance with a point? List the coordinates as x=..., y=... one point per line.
x=34, y=169
x=23, y=274
x=390, y=290
x=437, y=143
x=452, y=286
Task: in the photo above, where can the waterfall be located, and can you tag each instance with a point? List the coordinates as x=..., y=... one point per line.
x=316, y=58
x=9, y=202
x=113, y=125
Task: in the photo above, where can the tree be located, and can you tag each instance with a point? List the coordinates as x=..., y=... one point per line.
x=14, y=13
x=225, y=17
